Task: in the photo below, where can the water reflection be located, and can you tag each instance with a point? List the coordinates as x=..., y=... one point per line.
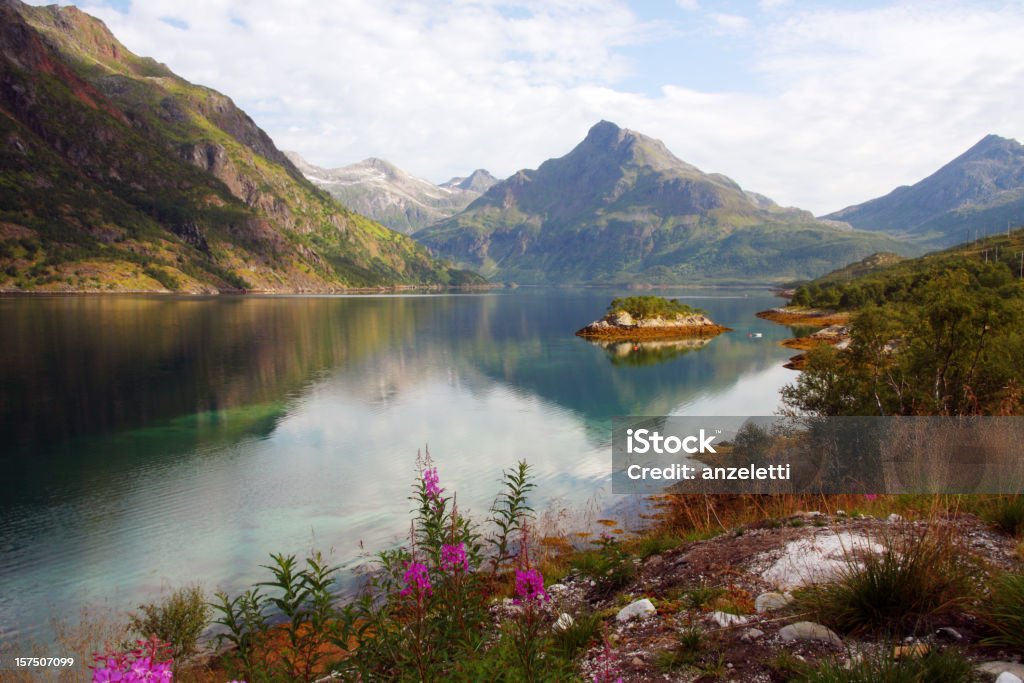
x=151, y=441
x=642, y=353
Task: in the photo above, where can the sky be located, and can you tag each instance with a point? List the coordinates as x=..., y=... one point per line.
x=815, y=104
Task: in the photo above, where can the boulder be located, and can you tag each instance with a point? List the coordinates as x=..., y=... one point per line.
x=808, y=630
x=769, y=602
x=997, y=668
x=641, y=608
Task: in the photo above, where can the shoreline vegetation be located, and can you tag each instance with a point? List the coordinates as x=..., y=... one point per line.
x=740, y=587
x=643, y=318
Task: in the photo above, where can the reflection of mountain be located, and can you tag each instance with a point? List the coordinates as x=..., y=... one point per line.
x=175, y=376
x=79, y=367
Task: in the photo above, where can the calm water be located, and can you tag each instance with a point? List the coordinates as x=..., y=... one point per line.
x=149, y=442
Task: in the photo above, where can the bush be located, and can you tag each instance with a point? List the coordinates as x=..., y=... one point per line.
x=901, y=588
x=179, y=619
x=948, y=666
x=1006, y=611
x=651, y=306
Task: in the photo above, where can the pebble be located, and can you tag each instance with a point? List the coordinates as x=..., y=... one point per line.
x=640, y=608
x=808, y=630
x=1007, y=677
x=949, y=632
x=565, y=621
x=893, y=518
x=752, y=634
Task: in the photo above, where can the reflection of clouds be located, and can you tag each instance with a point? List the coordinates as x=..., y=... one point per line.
x=755, y=393
x=485, y=385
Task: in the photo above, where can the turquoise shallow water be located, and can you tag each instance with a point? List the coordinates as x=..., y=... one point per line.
x=147, y=442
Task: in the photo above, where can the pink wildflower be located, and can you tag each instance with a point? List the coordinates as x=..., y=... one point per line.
x=416, y=580
x=870, y=496
x=530, y=587
x=432, y=483
x=453, y=557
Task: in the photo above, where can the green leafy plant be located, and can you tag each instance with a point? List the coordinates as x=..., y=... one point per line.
x=179, y=619
x=508, y=513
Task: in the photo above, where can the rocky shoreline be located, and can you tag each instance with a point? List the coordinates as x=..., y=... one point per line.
x=621, y=326
x=835, y=329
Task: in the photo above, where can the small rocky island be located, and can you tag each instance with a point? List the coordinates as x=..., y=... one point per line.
x=638, y=318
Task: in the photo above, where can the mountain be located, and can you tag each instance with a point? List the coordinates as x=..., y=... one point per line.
x=382, y=191
x=478, y=181
x=621, y=208
x=982, y=190
x=116, y=174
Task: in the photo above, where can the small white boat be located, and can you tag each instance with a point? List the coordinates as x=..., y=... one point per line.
x=755, y=335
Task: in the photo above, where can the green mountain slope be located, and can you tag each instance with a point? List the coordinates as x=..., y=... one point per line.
x=115, y=174
x=990, y=263
x=981, y=190
x=621, y=208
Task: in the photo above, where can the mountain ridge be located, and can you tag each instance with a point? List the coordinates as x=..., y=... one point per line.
x=380, y=190
x=117, y=175
x=621, y=207
x=979, y=190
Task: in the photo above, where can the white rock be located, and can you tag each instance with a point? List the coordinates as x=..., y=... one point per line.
x=893, y=518
x=640, y=608
x=752, y=634
x=817, y=558
x=808, y=630
x=564, y=622
x=557, y=588
x=769, y=602
x=1007, y=677
x=996, y=668
x=724, y=619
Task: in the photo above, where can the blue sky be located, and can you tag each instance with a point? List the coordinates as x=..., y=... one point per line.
x=816, y=104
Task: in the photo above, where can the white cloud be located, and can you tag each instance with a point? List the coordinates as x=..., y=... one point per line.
x=731, y=23
x=847, y=104
x=690, y=5
x=770, y=5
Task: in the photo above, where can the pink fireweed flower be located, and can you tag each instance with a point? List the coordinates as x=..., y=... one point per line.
x=432, y=483
x=416, y=580
x=530, y=587
x=453, y=557
x=134, y=666
x=870, y=496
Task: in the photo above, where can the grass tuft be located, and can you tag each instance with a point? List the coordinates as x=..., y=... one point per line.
x=948, y=666
x=913, y=579
x=1006, y=611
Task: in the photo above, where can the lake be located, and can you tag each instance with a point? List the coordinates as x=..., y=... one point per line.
x=148, y=442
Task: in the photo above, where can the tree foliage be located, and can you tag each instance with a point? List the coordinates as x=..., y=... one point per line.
x=651, y=306
x=925, y=341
